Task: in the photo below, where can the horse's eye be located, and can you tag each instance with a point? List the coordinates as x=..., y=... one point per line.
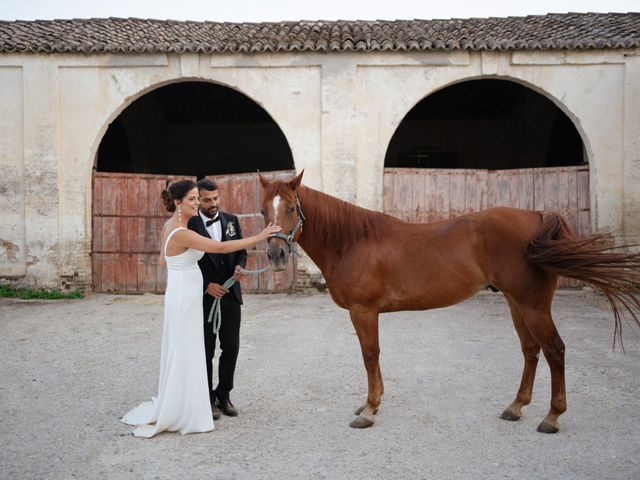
x=262, y=212
x=291, y=209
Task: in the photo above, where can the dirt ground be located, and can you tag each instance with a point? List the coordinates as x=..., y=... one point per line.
x=71, y=369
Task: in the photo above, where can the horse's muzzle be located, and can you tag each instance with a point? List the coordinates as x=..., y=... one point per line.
x=278, y=254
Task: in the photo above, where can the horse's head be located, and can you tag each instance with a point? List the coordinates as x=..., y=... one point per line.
x=281, y=206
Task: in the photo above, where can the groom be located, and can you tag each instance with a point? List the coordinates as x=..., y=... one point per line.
x=216, y=269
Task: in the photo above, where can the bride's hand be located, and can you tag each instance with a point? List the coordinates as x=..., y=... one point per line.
x=269, y=231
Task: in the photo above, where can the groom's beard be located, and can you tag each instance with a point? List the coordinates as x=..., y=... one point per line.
x=210, y=212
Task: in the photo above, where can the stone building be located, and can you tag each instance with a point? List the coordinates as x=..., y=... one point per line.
x=420, y=119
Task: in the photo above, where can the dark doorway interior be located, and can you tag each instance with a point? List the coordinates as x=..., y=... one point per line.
x=485, y=124
x=193, y=128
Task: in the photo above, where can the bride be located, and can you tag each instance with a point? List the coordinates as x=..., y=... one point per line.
x=182, y=403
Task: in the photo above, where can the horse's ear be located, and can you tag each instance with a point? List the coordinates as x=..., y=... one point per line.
x=293, y=184
x=263, y=180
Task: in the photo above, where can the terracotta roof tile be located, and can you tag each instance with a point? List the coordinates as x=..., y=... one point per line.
x=131, y=35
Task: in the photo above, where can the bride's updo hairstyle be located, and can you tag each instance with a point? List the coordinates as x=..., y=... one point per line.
x=176, y=191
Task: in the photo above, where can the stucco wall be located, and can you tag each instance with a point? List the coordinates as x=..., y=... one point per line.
x=338, y=113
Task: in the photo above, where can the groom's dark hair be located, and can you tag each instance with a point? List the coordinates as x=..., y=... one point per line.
x=207, y=184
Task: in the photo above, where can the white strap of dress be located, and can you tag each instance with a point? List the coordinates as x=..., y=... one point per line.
x=166, y=242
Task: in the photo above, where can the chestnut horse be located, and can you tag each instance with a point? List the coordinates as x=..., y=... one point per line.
x=375, y=263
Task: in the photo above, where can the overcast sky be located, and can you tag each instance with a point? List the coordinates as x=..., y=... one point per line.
x=279, y=10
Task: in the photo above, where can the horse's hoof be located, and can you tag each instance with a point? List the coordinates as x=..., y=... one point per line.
x=510, y=415
x=361, y=422
x=546, y=427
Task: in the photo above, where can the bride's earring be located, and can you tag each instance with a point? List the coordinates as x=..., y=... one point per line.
x=180, y=213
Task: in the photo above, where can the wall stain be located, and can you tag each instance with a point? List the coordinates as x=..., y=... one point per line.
x=11, y=250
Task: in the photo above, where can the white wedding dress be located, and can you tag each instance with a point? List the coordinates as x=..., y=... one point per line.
x=182, y=403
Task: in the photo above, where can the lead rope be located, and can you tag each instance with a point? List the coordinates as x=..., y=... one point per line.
x=215, y=308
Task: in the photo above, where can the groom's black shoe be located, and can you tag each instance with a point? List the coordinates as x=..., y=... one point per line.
x=225, y=405
x=215, y=411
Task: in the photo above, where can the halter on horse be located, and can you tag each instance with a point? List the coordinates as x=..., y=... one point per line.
x=290, y=237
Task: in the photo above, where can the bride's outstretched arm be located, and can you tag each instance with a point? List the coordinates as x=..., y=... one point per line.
x=189, y=238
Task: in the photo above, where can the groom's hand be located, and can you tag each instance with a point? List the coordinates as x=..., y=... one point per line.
x=237, y=274
x=215, y=290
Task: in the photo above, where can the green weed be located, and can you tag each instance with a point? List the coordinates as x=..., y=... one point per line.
x=29, y=293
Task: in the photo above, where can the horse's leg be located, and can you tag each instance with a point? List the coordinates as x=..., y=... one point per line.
x=365, y=323
x=360, y=409
x=543, y=330
x=531, y=352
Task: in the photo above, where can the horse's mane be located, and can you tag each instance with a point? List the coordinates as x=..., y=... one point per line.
x=330, y=221
x=338, y=224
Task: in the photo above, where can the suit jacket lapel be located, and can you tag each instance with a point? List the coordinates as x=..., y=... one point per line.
x=202, y=230
x=223, y=226
x=229, y=257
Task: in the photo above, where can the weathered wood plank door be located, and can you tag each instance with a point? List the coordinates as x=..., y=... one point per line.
x=127, y=218
x=426, y=195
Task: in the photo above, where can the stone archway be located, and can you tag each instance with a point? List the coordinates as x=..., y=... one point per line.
x=484, y=143
x=189, y=129
x=193, y=128
x=485, y=123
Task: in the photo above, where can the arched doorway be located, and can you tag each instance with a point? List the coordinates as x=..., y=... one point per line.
x=484, y=143
x=181, y=130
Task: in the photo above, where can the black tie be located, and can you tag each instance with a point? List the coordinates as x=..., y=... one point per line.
x=211, y=222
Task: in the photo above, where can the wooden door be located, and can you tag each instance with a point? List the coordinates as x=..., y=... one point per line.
x=128, y=215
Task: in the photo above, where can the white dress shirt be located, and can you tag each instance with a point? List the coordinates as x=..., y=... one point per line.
x=215, y=229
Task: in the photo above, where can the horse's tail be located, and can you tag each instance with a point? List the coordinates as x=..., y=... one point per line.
x=612, y=270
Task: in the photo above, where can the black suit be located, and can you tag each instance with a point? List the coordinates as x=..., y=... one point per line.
x=218, y=268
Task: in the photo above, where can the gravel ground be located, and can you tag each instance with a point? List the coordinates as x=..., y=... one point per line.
x=71, y=369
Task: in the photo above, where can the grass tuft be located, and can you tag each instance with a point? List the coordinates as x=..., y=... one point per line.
x=28, y=293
